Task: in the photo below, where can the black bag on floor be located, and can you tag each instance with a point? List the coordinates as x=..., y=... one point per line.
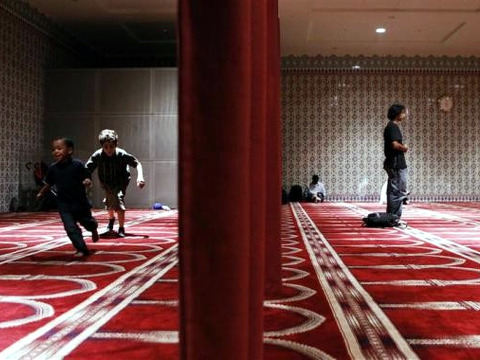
x=284, y=197
x=295, y=194
x=381, y=219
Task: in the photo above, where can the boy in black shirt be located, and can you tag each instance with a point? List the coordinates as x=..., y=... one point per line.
x=70, y=177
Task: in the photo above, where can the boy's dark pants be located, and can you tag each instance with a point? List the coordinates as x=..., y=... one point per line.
x=70, y=219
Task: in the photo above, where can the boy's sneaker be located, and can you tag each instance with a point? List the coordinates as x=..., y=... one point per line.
x=95, y=236
x=109, y=227
x=121, y=232
x=80, y=254
x=401, y=224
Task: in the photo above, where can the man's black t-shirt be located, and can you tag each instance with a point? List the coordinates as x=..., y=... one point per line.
x=394, y=159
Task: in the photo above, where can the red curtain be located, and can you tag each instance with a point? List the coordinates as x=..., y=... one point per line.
x=258, y=176
x=274, y=154
x=225, y=167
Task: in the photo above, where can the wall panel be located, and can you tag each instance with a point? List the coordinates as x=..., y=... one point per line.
x=165, y=92
x=124, y=91
x=165, y=137
x=133, y=102
x=166, y=188
x=71, y=92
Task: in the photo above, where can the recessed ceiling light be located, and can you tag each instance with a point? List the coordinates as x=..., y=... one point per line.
x=380, y=30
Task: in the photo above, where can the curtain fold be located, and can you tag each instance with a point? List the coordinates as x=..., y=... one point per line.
x=258, y=176
x=274, y=155
x=223, y=164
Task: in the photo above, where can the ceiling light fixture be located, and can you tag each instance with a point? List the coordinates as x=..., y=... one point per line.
x=380, y=30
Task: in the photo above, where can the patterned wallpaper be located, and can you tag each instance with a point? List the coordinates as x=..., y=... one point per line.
x=333, y=116
x=333, y=120
x=25, y=52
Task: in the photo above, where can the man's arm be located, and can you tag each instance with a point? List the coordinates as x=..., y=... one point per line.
x=396, y=145
x=322, y=189
x=310, y=190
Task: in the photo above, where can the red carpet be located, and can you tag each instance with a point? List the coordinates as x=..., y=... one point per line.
x=418, y=286
x=122, y=302
x=110, y=304
x=350, y=292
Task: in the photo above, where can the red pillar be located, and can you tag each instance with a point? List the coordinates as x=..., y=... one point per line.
x=223, y=127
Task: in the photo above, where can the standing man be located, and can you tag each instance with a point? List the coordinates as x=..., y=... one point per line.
x=395, y=164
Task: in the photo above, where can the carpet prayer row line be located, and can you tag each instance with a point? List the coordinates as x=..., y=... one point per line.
x=349, y=292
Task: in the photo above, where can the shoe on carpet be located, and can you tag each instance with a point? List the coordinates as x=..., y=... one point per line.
x=95, y=236
x=109, y=227
x=401, y=225
x=121, y=232
x=80, y=254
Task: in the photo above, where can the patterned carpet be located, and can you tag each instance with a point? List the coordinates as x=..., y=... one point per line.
x=55, y=306
x=400, y=293
x=350, y=292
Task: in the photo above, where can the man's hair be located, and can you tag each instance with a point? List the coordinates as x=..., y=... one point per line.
x=315, y=178
x=108, y=135
x=68, y=142
x=394, y=111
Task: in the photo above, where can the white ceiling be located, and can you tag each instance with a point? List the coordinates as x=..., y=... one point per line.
x=347, y=27
x=307, y=27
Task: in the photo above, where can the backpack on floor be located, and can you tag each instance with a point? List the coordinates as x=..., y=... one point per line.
x=381, y=219
x=295, y=194
x=284, y=197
